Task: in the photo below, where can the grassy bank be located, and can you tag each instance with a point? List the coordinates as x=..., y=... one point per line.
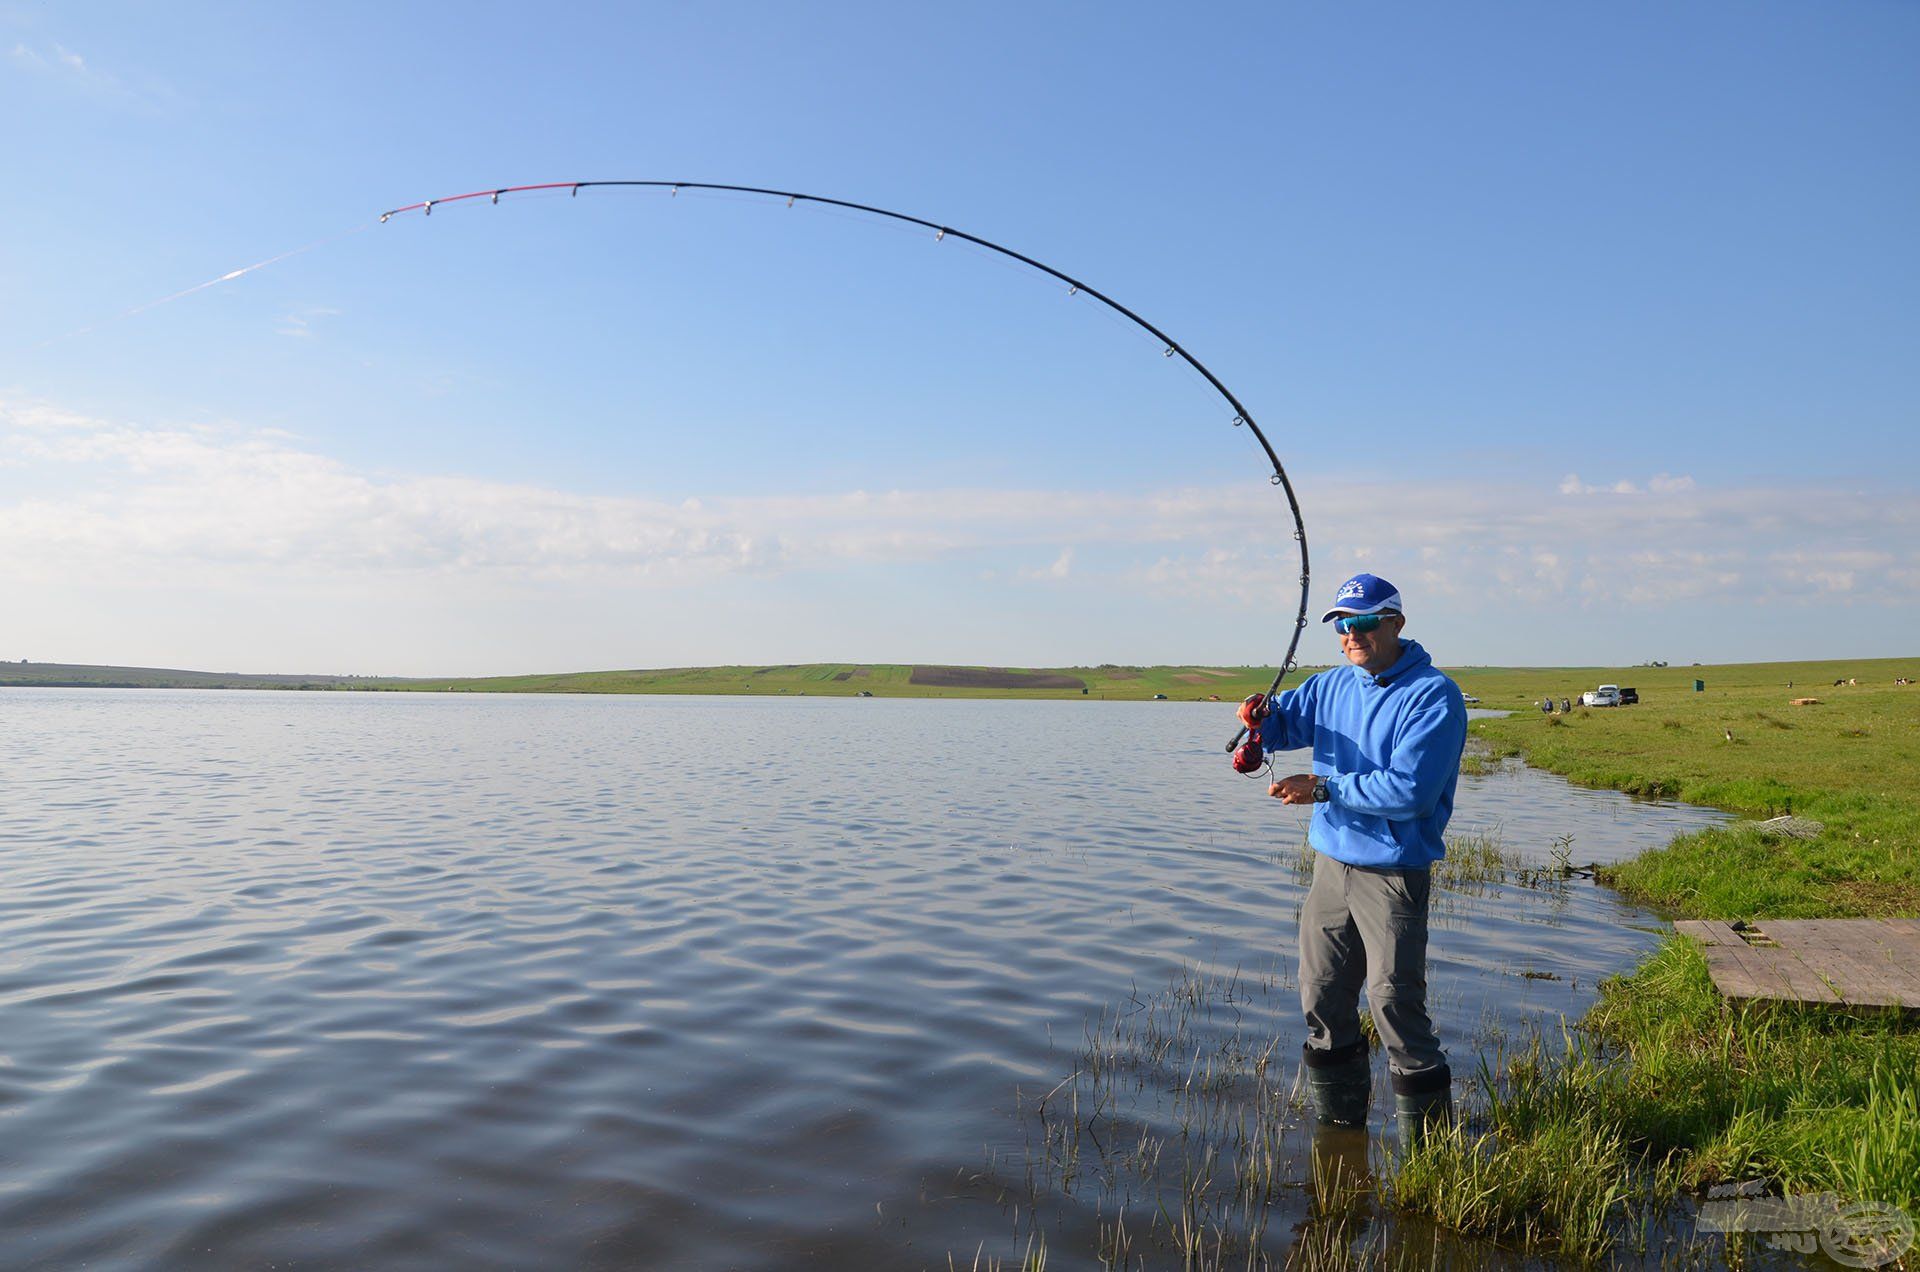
x=1850, y=761
x=1666, y=1086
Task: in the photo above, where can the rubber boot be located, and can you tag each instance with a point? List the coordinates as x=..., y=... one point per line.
x=1340, y=1083
x=1421, y=1101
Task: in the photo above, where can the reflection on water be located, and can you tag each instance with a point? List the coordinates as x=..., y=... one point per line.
x=661, y=982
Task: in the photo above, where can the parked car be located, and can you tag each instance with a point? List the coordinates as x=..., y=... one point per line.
x=1604, y=696
x=1469, y=699
x=1628, y=695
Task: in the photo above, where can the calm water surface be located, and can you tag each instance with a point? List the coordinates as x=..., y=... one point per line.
x=341, y=980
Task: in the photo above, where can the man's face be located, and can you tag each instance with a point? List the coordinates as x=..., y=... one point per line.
x=1377, y=650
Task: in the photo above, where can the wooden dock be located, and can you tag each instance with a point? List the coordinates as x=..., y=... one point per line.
x=1843, y=962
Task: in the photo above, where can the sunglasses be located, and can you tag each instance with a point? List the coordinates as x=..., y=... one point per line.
x=1360, y=622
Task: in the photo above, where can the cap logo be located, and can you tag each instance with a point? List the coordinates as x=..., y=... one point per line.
x=1352, y=589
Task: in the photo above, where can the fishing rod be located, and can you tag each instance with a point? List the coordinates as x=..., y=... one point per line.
x=1170, y=347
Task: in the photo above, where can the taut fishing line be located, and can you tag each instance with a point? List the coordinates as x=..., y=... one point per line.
x=1169, y=347
x=227, y=277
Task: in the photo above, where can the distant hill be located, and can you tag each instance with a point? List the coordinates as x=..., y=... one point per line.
x=896, y=680
x=86, y=676
x=844, y=680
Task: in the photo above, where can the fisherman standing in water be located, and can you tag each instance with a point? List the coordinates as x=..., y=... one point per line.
x=1386, y=734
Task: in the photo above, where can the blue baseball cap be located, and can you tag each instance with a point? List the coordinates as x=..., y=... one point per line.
x=1364, y=594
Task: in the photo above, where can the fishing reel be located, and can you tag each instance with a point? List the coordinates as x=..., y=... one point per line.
x=1250, y=757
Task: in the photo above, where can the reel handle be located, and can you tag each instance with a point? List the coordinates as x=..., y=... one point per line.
x=1260, y=701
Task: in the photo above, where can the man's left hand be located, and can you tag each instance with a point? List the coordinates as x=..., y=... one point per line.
x=1297, y=789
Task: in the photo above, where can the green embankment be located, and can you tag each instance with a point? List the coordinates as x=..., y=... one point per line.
x=1665, y=1084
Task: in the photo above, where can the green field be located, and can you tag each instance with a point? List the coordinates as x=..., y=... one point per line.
x=1850, y=761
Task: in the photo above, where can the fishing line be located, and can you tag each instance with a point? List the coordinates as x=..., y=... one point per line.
x=227, y=277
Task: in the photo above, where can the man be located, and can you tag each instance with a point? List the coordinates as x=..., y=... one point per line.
x=1386, y=733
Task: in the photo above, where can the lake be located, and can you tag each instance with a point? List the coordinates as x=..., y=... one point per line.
x=398, y=980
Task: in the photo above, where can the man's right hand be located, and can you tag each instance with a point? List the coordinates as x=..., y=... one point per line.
x=1253, y=710
x=1297, y=789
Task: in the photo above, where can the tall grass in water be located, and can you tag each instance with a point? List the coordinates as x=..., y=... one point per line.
x=1181, y=1132
x=1559, y=1189
x=1033, y=1258
x=1173, y=1120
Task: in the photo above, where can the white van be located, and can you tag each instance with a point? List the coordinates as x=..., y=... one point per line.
x=1604, y=696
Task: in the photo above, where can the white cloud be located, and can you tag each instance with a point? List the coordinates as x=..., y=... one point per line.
x=299, y=323
x=1572, y=485
x=1062, y=566
x=1658, y=484
x=145, y=506
x=1663, y=543
x=54, y=59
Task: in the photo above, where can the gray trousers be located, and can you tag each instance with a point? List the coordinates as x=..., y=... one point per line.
x=1368, y=925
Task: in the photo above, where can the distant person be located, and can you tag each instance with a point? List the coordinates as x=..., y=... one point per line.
x=1566, y=705
x=1387, y=732
x=1546, y=708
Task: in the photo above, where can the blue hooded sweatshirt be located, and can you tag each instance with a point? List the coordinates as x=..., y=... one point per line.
x=1389, y=747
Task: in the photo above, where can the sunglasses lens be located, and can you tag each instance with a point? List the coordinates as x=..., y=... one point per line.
x=1358, y=623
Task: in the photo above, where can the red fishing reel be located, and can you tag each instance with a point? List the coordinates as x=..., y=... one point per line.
x=1249, y=757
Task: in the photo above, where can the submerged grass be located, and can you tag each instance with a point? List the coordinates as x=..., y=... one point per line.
x=1561, y=1188
x=1181, y=1126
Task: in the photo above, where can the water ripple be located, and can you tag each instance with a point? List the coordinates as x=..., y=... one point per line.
x=358, y=980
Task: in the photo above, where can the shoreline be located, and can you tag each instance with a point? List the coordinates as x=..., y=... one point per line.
x=1509, y=688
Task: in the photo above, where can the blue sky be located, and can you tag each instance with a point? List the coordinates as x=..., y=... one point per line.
x=1594, y=327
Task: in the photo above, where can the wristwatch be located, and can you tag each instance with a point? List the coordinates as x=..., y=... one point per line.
x=1320, y=795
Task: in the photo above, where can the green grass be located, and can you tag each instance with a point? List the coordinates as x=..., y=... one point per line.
x=1852, y=762
x=1582, y=1147
x=1562, y=1186
x=1665, y=1083
x=1813, y=1098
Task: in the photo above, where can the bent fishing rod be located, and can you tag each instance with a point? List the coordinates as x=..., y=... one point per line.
x=1171, y=348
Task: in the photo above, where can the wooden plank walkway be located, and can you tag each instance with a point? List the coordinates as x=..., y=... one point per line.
x=1845, y=962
